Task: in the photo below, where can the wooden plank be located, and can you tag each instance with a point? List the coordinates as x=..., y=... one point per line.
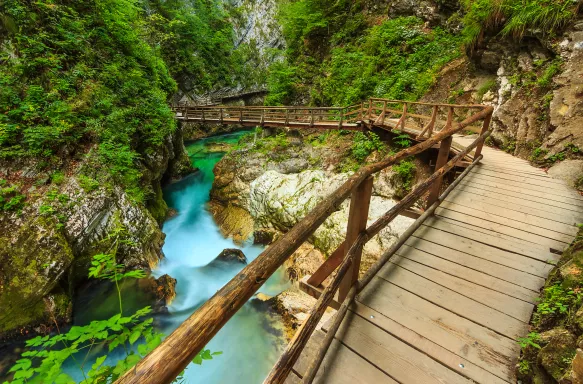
x=455, y=362
x=536, y=172
x=293, y=378
x=461, y=336
x=341, y=365
x=465, y=273
x=452, y=301
x=569, y=215
x=522, y=263
x=526, y=186
x=493, y=239
x=503, y=272
x=476, y=222
x=392, y=356
x=507, y=192
x=500, y=301
x=517, y=212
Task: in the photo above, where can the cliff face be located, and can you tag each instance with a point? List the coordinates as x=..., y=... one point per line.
x=47, y=247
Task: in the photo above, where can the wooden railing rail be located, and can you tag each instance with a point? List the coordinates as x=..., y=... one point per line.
x=173, y=355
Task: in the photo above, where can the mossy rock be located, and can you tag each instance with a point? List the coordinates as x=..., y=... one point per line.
x=34, y=258
x=556, y=356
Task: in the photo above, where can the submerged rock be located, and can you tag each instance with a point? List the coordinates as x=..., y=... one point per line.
x=163, y=290
x=230, y=255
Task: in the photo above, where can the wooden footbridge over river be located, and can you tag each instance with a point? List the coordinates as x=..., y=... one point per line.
x=447, y=302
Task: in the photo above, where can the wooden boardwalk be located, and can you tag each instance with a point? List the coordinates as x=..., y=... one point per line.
x=450, y=305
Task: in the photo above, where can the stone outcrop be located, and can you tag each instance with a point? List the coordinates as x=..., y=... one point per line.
x=46, y=249
x=230, y=255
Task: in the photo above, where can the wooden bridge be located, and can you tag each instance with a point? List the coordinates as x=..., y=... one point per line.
x=447, y=302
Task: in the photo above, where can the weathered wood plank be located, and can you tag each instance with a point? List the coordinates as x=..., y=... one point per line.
x=452, y=301
x=551, y=183
x=455, y=362
x=464, y=273
x=461, y=336
x=493, y=239
x=508, y=222
x=473, y=222
x=392, y=356
x=569, y=214
x=505, y=192
x=341, y=365
x=469, y=246
x=518, y=213
x=491, y=268
x=493, y=183
x=526, y=186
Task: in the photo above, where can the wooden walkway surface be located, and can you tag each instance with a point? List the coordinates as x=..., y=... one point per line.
x=450, y=305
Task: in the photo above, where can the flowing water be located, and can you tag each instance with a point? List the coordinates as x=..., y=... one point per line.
x=253, y=339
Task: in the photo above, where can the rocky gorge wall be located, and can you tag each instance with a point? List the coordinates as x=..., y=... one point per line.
x=47, y=247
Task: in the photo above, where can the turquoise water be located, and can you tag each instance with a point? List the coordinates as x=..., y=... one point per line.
x=251, y=341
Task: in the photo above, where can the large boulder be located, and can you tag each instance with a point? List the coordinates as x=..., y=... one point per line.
x=570, y=171
x=230, y=255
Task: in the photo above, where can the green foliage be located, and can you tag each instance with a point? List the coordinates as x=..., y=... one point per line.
x=341, y=60
x=363, y=145
x=556, y=299
x=57, y=177
x=45, y=355
x=401, y=139
x=529, y=340
x=405, y=172
x=515, y=17
x=10, y=197
x=545, y=80
x=88, y=184
x=487, y=86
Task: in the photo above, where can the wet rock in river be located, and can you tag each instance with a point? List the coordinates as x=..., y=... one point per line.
x=232, y=255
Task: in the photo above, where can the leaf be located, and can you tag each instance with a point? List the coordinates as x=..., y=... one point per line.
x=197, y=359
x=206, y=355
x=98, y=362
x=135, y=336
x=217, y=353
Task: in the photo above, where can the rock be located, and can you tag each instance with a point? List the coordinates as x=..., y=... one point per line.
x=162, y=291
x=294, y=306
x=577, y=368
x=264, y=236
x=262, y=296
x=304, y=261
x=230, y=255
x=233, y=221
x=559, y=348
x=570, y=171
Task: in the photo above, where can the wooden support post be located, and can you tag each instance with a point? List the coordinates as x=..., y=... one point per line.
x=185, y=113
x=311, y=117
x=357, y=217
x=402, y=120
x=203, y=114
x=381, y=118
x=442, y=158
x=340, y=122
x=287, y=117
x=429, y=127
x=485, y=126
x=221, y=115
x=241, y=115
x=368, y=113
x=449, y=121
x=262, y=122
x=327, y=267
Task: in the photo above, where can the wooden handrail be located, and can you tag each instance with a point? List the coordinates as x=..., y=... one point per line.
x=173, y=355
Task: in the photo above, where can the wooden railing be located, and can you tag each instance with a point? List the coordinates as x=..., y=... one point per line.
x=417, y=117
x=173, y=355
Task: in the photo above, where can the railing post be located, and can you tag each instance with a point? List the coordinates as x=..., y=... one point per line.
x=368, y=113
x=432, y=122
x=241, y=115
x=221, y=115
x=485, y=126
x=202, y=114
x=286, y=117
x=357, y=217
x=403, y=117
x=185, y=114
x=311, y=117
x=262, y=123
x=341, y=117
x=442, y=157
